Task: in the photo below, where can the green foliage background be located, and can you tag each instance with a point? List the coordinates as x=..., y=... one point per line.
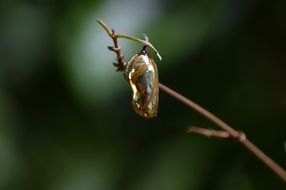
x=66, y=120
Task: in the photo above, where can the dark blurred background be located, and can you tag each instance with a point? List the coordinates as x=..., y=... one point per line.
x=66, y=120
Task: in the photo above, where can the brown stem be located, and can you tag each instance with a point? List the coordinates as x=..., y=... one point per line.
x=277, y=169
x=232, y=133
x=208, y=132
x=120, y=58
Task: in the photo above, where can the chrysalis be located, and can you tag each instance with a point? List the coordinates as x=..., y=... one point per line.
x=142, y=75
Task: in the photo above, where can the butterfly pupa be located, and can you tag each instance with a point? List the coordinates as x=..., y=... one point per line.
x=142, y=75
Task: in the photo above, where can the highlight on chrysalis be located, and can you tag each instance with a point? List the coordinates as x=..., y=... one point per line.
x=142, y=75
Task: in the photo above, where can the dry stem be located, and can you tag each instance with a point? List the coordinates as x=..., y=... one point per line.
x=208, y=132
x=228, y=131
x=240, y=136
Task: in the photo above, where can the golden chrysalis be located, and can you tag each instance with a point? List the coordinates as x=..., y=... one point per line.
x=142, y=75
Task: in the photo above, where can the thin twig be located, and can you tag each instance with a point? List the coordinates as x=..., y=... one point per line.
x=128, y=37
x=228, y=130
x=208, y=132
x=233, y=133
x=240, y=136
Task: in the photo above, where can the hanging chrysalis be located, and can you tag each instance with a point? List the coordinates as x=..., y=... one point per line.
x=142, y=75
x=140, y=72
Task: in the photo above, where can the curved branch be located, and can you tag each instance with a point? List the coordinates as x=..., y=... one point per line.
x=228, y=131
x=128, y=37
x=239, y=136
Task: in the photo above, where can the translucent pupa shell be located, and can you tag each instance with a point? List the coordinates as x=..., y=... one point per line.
x=142, y=75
